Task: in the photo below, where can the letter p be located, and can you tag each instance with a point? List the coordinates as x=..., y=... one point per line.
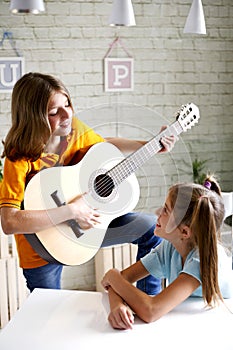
x=121, y=72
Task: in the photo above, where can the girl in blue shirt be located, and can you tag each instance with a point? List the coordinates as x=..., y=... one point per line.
x=190, y=258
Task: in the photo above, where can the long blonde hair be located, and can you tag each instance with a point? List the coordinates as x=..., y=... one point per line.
x=202, y=209
x=30, y=128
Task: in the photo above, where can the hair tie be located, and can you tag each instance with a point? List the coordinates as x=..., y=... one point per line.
x=203, y=196
x=207, y=184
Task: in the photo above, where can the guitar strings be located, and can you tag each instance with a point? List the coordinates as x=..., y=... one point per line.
x=126, y=167
x=129, y=164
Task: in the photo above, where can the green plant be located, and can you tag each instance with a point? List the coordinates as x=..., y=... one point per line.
x=198, y=167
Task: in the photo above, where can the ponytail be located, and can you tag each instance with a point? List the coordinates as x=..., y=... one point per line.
x=209, y=206
x=206, y=238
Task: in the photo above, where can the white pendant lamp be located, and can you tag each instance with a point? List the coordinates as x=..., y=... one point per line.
x=195, y=22
x=122, y=14
x=27, y=6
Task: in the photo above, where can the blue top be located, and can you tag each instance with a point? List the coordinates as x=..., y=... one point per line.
x=164, y=261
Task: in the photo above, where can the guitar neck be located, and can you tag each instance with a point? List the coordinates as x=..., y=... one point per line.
x=135, y=160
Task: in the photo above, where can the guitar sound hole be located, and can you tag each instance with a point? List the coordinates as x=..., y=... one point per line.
x=103, y=185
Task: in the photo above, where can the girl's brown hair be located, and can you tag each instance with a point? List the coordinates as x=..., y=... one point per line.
x=30, y=130
x=202, y=209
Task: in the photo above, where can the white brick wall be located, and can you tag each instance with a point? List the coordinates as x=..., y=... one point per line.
x=70, y=41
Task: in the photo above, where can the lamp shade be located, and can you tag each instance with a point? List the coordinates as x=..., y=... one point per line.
x=122, y=14
x=27, y=6
x=195, y=22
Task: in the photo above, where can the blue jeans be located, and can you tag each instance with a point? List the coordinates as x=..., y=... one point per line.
x=47, y=276
x=136, y=228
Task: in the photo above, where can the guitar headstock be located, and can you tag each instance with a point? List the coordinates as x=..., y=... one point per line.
x=188, y=116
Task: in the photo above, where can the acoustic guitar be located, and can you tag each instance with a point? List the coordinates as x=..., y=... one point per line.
x=109, y=181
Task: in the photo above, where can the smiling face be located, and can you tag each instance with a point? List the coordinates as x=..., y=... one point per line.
x=60, y=114
x=166, y=226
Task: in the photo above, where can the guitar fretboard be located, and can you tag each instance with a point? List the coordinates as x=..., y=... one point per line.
x=135, y=160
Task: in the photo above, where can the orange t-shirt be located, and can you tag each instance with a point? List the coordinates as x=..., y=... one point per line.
x=17, y=174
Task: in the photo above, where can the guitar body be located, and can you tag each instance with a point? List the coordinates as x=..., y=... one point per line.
x=70, y=181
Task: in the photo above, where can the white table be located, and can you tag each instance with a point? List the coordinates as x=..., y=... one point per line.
x=65, y=320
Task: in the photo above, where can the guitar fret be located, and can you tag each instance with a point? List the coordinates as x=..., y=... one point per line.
x=134, y=161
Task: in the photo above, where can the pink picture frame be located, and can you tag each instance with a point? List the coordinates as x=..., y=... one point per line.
x=118, y=74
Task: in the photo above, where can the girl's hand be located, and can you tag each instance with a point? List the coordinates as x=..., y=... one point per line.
x=106, y=280
x=121, y=317
x=168, y=142
x=86, y=216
